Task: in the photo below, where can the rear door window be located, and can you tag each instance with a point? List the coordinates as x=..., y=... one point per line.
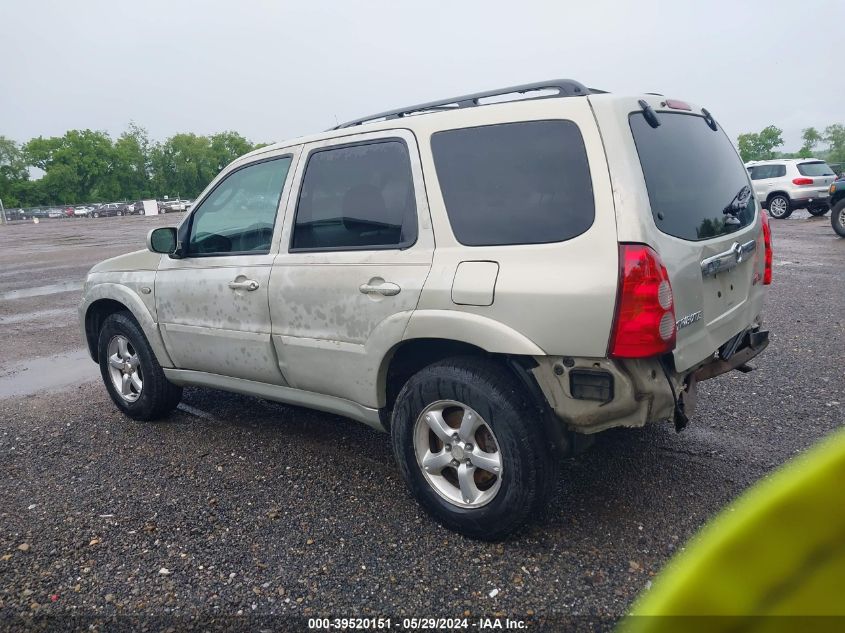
x=815, y=169
x=763, y=172
x=515, y=183
x=697, y=185
x=357, y=197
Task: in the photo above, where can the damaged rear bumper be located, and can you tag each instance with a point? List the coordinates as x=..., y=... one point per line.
x=640, y=392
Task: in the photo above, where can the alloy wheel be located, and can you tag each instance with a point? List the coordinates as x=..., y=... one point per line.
x=125, y=368
x=778, y=207
x=458, y=454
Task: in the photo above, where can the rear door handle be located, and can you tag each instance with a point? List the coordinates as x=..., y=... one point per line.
x=384, y=288
x=248, y=284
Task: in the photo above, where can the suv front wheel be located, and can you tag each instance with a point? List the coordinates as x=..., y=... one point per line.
x=779, y=207
x=471, y=448
x=130, y=371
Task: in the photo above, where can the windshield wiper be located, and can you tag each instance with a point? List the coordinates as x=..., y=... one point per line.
x=739, y=202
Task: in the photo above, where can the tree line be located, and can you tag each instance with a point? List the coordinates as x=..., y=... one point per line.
x=89, y=166
x=763, y=145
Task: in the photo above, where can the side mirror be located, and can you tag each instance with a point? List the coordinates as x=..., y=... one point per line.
x=162, y=240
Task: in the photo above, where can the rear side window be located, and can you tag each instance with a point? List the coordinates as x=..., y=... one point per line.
x=357, y=197
x=762, y=172
x=697, y=186
x=515, y=183
x=815, y=169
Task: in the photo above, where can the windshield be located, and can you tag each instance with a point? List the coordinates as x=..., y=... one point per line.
x=696, y=182
x=815, y=169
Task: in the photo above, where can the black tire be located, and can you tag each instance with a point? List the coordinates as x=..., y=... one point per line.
x=818, y=211
x=158, y=396
x=779, y=201
x=96, y=215
x=837, y=218
x=529, y=469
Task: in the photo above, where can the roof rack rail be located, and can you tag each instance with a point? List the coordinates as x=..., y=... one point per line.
x=564, y=87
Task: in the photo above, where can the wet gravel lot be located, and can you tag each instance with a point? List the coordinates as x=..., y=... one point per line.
x=236, y=508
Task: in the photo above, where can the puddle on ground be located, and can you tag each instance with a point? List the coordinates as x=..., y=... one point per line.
x=37, y=315
x=52, y=373
x=38, y=291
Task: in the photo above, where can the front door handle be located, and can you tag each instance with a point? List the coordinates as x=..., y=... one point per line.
x=247, y=284
x=383, y=288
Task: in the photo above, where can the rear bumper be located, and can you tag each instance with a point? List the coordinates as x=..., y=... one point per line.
x=801, y=198
x=639, y=391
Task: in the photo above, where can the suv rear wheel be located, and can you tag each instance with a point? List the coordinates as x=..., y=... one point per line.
x=837, y=218
x=130, y=371
x=779, y=207
x=471, y=449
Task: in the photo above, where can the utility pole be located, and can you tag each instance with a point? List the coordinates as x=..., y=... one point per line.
x=2, y=213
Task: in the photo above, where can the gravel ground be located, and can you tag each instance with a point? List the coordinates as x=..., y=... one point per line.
x=238, y=511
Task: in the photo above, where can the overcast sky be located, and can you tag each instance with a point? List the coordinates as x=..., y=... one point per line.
x=276, y=69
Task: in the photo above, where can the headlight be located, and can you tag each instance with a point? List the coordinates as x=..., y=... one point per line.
x=832, y=187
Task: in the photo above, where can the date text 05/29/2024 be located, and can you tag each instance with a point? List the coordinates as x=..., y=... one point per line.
x=415, y=624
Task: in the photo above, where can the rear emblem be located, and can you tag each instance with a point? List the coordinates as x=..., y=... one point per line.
x=688, y=320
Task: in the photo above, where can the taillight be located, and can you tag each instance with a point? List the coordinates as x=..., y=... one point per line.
x=767, y=246
x=644, y=323
x=802, y=181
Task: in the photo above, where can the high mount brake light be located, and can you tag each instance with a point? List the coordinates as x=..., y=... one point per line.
x=644, y=323
x=675, y=104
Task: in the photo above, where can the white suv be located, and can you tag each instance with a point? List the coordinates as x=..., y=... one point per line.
x=488, y=282
x=791, y=183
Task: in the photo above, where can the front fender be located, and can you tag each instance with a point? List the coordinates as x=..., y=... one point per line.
x=466, y=327
x=129, y=298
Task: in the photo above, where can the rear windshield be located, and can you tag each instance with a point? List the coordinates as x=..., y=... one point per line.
x=697, y=186
x=815, y=169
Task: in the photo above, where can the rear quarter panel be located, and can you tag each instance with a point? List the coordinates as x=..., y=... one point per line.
x=560, y=296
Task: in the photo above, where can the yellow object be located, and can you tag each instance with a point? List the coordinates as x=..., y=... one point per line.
x=777, y=551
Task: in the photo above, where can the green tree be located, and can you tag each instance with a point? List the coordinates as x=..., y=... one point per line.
x=14, y=172
x=811, y=138
x=78, y=167
x=760, y=145
x=132, y=163
x=834, y=136
x=227, y=146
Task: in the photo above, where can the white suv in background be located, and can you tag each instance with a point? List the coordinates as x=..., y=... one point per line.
x=787, y=184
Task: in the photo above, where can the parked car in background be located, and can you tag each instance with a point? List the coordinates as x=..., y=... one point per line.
x=110, y=209
x=787, y=184
x=55, y=213
x=837, y=205
x=68, y=212
x=82, y=211
x=483, y=365
x=168, y=206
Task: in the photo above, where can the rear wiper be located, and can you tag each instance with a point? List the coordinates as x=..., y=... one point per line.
x=739, y=202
